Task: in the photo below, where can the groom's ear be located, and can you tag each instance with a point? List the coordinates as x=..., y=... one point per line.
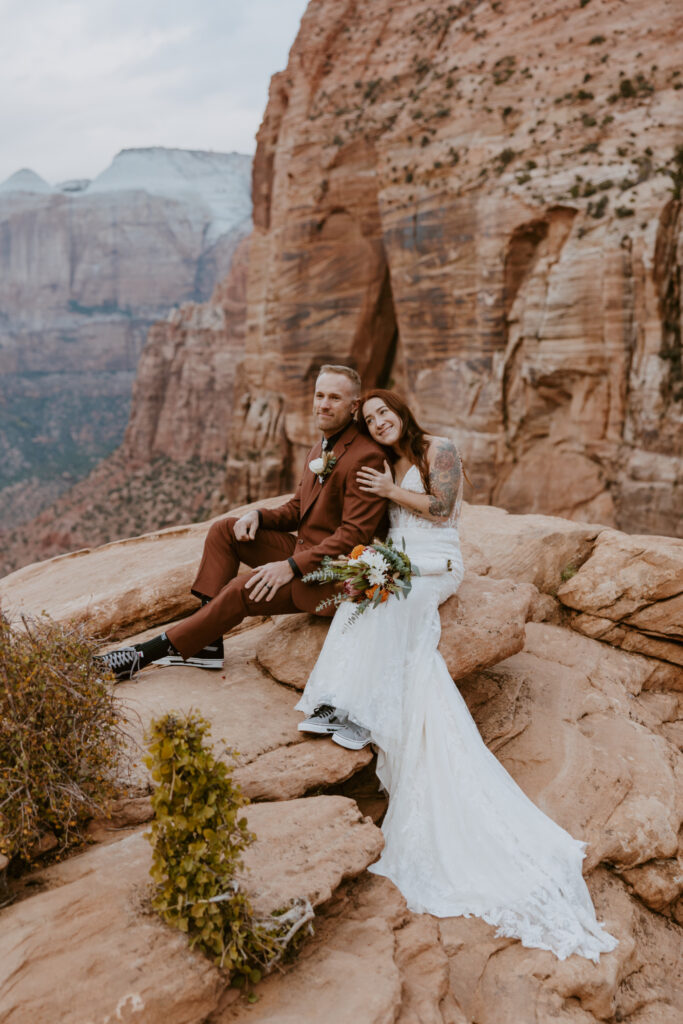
x=354, y=408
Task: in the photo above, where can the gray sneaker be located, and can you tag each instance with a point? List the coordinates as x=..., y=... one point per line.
x=324, y=720
x=352, y=736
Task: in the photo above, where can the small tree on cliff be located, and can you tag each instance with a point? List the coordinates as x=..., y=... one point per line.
x=198, y=836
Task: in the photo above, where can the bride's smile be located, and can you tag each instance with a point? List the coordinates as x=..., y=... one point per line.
x=384, y=424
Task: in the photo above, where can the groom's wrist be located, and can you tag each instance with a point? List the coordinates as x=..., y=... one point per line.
x=294, y=567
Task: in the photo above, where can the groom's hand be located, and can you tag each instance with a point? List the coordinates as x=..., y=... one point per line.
x=268, y=579
x=246, y=526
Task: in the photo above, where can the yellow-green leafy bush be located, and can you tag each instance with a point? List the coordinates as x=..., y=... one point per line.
x=60, y=739
x=198, y=834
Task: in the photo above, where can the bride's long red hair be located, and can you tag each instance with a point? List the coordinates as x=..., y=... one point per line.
x=412, y=443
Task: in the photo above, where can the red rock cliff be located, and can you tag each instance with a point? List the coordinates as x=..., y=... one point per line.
x=481, y=202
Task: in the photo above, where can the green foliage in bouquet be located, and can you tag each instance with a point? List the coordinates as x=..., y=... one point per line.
x=61, y=743
x=368, y=576
x=199, y=834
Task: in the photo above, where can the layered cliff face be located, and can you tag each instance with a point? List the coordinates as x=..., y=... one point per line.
x=85, y=269
x=481, y=204
x=171, y=465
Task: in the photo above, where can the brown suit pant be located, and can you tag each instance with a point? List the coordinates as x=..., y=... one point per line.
x=230, y=600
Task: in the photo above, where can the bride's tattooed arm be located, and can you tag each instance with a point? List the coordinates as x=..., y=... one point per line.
x=444, y=479
x=445, y=471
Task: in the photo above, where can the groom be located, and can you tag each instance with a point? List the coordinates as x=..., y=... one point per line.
x=330, y=513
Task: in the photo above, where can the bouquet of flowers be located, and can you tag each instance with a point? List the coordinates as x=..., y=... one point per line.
x=369, y=575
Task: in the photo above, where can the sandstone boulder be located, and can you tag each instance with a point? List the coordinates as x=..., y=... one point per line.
x=630, y=593
x=496, y=981
x=294, y=770
x=483, y=623
x=566, y=718
x=90, y=925
x=538, y=549
x=250, y=714
x=119, y=588
x=480, y=625
x=456, y=971
x=352, y=978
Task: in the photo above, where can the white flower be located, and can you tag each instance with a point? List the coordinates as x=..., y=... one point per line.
x=374, y=560
x=378, y=566
x=316, y=466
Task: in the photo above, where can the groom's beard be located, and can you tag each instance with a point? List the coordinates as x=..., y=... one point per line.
x=333, y=429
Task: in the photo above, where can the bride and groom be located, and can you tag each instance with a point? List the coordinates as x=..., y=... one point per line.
x=460, y=836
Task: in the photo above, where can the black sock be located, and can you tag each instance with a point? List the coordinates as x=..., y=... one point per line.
x=206, y=600
x=157, y=647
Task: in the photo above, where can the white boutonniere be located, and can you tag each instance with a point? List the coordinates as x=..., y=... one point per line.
x=323, y=465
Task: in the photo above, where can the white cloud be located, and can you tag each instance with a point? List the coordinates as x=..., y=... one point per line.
x=81, y=80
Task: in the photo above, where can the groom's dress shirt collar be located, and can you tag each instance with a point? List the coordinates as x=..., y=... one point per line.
x=329, y=443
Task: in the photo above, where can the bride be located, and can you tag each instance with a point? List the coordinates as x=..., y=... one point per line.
x=460, y=835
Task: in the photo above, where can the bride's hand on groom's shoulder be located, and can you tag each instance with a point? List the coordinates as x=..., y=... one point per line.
x=373, y=482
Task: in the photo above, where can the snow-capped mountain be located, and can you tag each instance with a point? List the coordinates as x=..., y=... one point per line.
x=221, y=182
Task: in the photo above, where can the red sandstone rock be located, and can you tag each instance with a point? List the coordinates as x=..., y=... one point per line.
x=90, y=925
x=630, y=593
x=589, y=732
x=480, y=625
x=475, y=200
x=117, y=589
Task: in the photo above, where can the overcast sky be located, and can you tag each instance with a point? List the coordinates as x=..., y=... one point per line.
x=82, y=79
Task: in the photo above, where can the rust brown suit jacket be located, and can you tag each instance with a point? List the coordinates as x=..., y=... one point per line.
x=332, y=517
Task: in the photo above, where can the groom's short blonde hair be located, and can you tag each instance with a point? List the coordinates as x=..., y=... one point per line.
x=344, y=371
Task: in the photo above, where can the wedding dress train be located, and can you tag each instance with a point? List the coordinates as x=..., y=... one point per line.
x=460, y=836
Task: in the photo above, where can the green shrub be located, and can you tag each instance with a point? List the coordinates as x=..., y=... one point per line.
x=198, y=836
x=503, y=69
x=60, y=738
x=505, y=157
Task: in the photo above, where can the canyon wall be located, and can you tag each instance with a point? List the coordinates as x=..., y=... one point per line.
x=480, y=203
x=85, y=269
x=171, y=464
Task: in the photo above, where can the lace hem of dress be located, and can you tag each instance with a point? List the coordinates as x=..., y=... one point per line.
x=541, y=922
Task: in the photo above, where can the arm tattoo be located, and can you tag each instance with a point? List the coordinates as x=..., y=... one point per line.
x=445, y=471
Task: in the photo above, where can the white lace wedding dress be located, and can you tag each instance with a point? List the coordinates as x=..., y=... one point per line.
x=460, y=835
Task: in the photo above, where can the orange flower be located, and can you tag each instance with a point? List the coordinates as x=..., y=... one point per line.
x=385, y=595
x=357, y=551
x=370, y=592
